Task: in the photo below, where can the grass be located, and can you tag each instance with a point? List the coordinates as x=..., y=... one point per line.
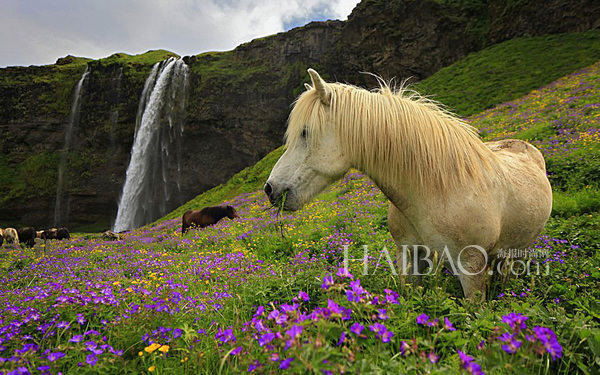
x=147, y=58
x=510, y=70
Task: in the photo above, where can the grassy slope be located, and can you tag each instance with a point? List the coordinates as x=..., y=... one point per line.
x=509, y=70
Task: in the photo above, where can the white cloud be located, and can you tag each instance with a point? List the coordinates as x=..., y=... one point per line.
x=40, y=31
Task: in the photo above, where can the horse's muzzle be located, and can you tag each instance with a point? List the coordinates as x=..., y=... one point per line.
x=275, y=196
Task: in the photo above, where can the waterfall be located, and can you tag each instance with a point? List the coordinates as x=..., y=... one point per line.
x=116, y=98
x=151, y=186
x=73, y=120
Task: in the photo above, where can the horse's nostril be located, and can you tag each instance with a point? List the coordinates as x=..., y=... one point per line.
x=268, y=189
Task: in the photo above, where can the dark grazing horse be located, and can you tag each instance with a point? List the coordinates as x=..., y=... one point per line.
x=56, y=234
x=207, y=216
x=27, y=236
x=62, y=234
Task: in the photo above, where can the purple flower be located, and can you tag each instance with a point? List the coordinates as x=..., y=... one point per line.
x=273, y=314
x=295, y=331
x=343, y=272
x=253, y=366
x=327, y=282
x=91, y=344
x=342, y=339
x=448, y=325
x=63, y=324
x=433, y=358
x=176, y=333
x=352, y=297
x=279, y=317
x=54, y=356
x=354, y=294
x=432, y=323
x=391, y=296
x=404, y=348
x=357, y=328
x=225, y=335
x=285, y=364
x=382, y=314
x=236, y=351
x=387, y=336
x=548, y=339
x=266, y=338
x=303, y=296
x=19, y=371
x=381, y=331
x=91, y=359
x=515, y=321
x=422, y=319
x=259, y=311
x=469, y=364
x=289, y=308
x=512, y=344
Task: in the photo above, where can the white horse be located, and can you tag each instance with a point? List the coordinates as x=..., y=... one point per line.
x=447, y=189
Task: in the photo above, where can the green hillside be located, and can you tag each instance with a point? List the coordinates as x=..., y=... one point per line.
x=510, y=70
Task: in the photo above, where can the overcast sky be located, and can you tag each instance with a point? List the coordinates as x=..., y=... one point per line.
x=37, y=32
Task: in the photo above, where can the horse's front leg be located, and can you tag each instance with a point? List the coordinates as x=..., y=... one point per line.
x=473, y=274
x=405, y=238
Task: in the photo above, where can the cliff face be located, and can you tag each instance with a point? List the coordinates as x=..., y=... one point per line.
x=238, y=100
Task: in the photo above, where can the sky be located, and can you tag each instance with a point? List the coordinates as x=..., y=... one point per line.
x=37, y=32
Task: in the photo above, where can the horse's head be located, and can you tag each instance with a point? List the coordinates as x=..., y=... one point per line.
x=314, y=157
x=231, y=212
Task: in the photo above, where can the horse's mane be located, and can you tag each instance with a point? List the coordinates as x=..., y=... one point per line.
x=395, y=134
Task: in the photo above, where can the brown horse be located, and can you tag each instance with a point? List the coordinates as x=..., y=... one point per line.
x=62, y=234
x=207, y=216
x=27, y=236
x=56, y=234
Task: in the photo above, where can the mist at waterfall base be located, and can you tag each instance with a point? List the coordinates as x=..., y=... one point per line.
x=152, y=184
x=61, y=217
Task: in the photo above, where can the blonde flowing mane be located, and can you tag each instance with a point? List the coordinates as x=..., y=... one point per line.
x=396, y=135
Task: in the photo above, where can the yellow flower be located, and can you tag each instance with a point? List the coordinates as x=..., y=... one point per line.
x=141, y=354
x=164, y=348
x=151, y=368
x=152, y=347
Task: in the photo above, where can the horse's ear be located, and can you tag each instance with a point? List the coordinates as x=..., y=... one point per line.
x=321, y=86
x=308, y=87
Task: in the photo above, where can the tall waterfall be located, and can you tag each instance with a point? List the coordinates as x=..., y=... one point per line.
x=59, y=218
x=151, y=186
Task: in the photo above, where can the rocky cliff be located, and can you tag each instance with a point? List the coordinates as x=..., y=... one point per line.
x=238, y=100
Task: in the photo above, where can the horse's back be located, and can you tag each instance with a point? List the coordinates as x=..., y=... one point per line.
x=517, y=148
